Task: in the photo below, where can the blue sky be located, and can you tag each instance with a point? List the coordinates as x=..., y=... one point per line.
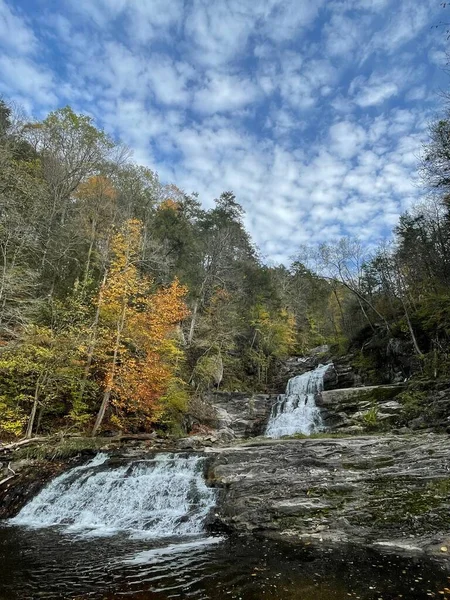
x=313, y=112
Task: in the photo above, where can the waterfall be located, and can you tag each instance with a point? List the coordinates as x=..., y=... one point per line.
x=162, y=496
x=296, y=410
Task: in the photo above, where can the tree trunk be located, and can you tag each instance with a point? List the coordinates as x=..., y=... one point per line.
x=365, y=314
x=110, y=379
x=102, y=411
x=405, y=309
x=91, y=348
x=39, y=419
x=193, y=321
x=336, y=295
x=411, y=331
x=369, y=304
x=3, y=280
x=29, y=432
x=89, y=256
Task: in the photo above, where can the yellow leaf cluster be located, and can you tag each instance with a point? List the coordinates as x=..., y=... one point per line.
x=142, y=321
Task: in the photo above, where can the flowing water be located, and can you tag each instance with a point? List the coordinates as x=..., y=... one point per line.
x=159, y=497
x=296, y=410
x=110, y=530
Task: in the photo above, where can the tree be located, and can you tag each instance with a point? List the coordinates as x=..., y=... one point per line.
x=225, y=252
x=436, y=156
x=96, y=204
x=273, y=337
x=136, y=325
x=22, y=193
x=39, y=373
x=5, y=119
x=146, y=374
x=219, y=326
x=390, y=271
x=71, y=149
x=344, y=262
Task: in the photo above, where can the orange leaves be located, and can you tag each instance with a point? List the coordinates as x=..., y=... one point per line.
x=169, y=204
x=144, y=376
x=141, y=383
x=97, y=186
x=141, y=323
x=163, y=310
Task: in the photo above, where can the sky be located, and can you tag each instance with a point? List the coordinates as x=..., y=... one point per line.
x=313, y=112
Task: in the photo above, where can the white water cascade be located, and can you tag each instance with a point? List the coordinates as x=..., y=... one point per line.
x=158, y=497
x=296, y=410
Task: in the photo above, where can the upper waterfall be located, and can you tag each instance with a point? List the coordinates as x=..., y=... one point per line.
x=162, y=496
x=296, y=410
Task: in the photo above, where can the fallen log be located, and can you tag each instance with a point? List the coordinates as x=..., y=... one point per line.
x=132, y=436
x=9, y=476
x=6, y=479
x=26, y=442
x=6, y=448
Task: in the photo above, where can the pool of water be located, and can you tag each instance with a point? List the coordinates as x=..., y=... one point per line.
x=51, y=564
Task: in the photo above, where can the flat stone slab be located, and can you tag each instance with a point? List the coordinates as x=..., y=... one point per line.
x=330, y=397
x=385, y=489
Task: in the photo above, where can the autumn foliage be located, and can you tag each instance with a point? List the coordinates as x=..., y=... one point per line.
x=138, y=324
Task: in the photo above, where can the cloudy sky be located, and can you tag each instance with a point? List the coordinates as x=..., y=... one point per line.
x=312, y=111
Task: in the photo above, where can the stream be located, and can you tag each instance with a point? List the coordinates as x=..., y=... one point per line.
x=49, y=564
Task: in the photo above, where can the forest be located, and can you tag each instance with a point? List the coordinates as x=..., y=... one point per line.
x=122, y=299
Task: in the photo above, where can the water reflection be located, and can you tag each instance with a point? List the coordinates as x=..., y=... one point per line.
x=48, y=564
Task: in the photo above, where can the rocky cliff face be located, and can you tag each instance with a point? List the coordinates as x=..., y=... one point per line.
x=382, y=491
x=341, y=374
x=387, y=490
x=240, y=415
x=355, y=410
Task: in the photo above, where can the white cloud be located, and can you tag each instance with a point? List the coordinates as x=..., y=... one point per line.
x=372, y=92
x=302, y=82
x=224, y=93
x=25, y=82
x=347, y=138
x=15, y=34
x=343, y=35
x=416, y=93
x=287, y=18
x=406, y=22
x=297, y=106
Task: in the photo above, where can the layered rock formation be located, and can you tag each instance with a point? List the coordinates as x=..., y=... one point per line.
x=355, y=410
x=239, y=415
x=386, y=491
x=351, y=409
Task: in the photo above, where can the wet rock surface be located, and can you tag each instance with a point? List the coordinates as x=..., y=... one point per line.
x=364, y=407
x=341, y=374
x=389, y=491
x=30, y=477
x=240, y=415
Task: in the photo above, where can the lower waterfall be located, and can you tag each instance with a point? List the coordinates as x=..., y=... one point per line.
x=162, y=496
x=296, y=410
